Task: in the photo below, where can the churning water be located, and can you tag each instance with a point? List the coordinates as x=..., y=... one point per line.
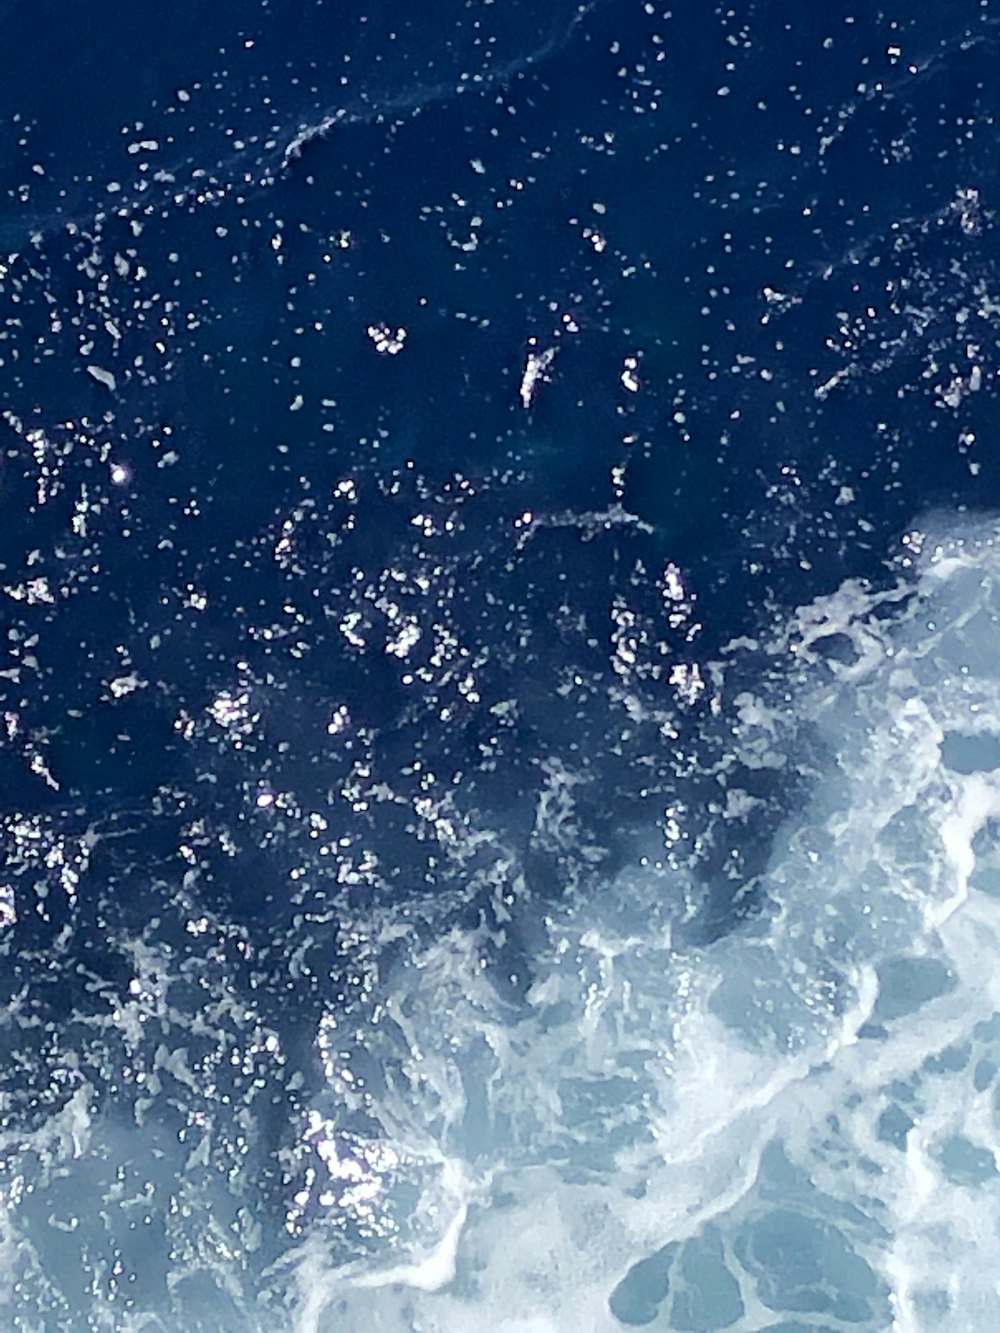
x=501, y=753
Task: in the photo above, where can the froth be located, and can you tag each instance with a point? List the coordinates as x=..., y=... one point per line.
x=796, y=1122
x=799, y=1121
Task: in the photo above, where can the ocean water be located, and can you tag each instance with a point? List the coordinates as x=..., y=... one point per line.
x=500, y=562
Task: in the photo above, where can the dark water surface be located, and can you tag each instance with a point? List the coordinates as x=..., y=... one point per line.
x=488, y=717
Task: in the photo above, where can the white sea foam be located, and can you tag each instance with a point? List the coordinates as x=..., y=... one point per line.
x=798, y=1122
x=795, y=1126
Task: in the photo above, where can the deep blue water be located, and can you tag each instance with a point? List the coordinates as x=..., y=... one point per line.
x=455, y=465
